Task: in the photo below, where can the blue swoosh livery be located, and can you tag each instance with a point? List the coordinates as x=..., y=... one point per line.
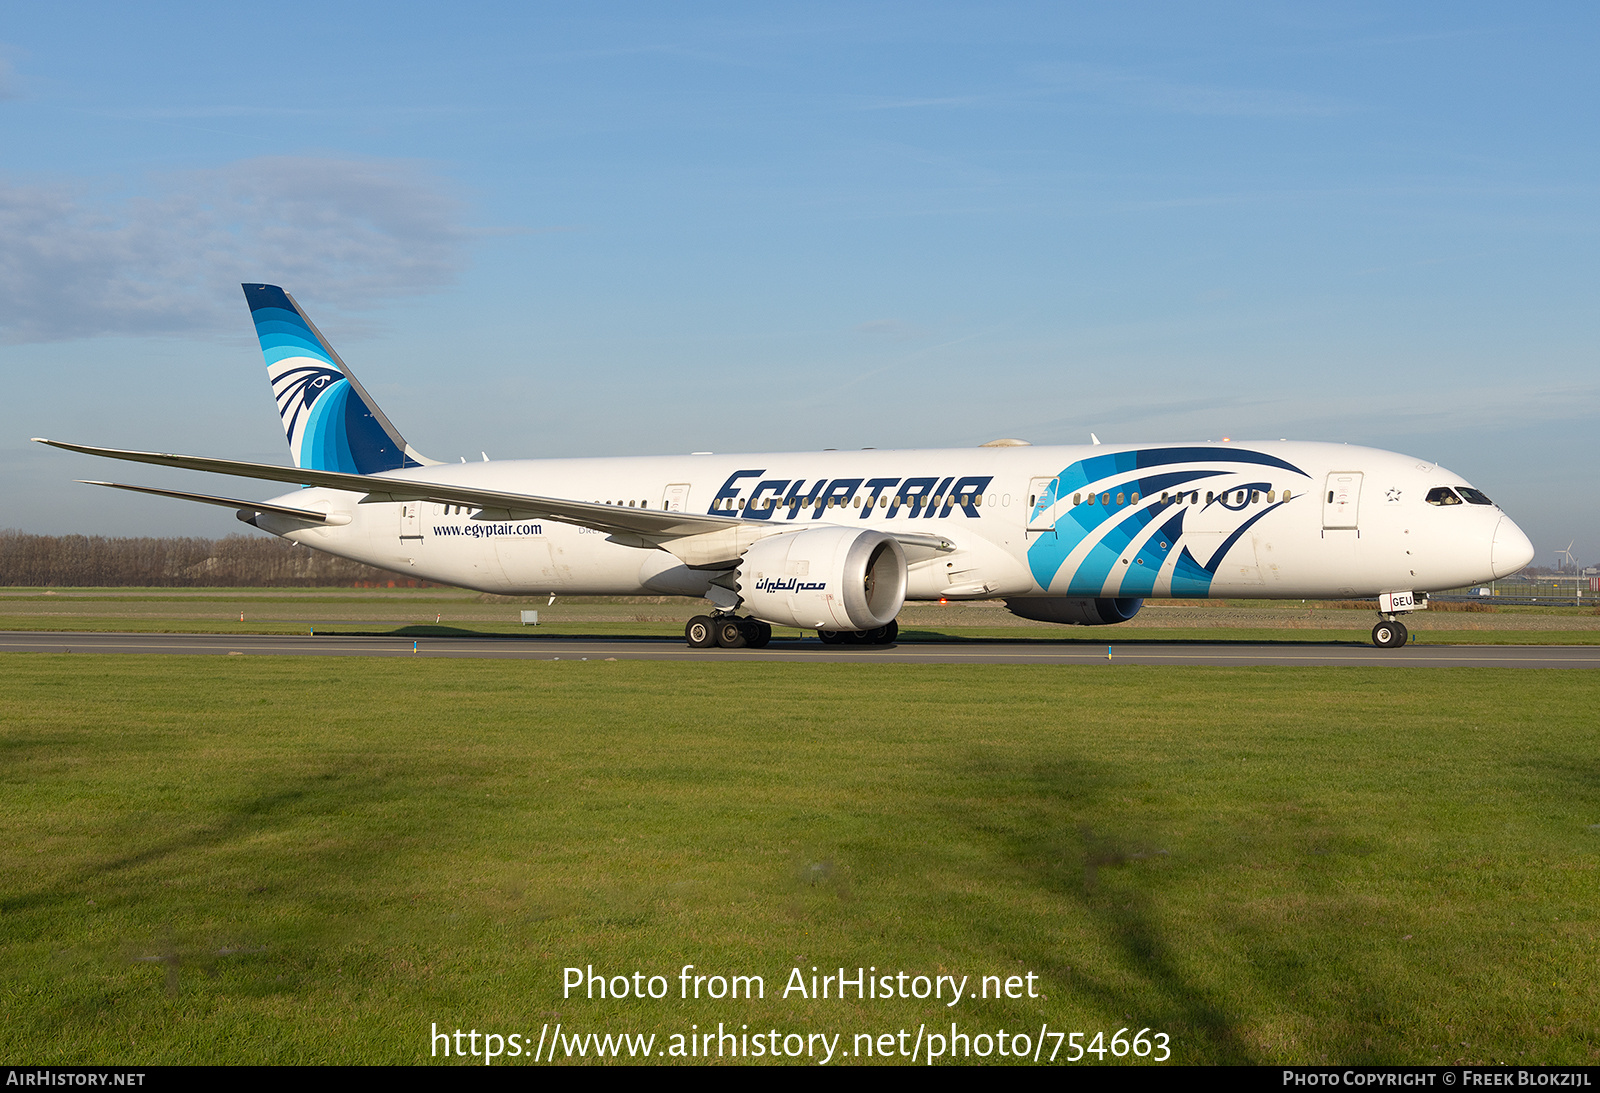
x=1112, y=530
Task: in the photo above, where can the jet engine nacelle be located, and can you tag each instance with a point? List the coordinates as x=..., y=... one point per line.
x=826, y=578
x=1075, y=612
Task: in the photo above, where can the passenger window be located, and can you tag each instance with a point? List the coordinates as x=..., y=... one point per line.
x=1091, y=499
x=1122, y=499
x=1271, y=496
x=1210, y=497
x=1442, y=495
x=1286, y=495
x=1136, y=499
x=1105, y=498
x=1077, y=499
x=1255, y=497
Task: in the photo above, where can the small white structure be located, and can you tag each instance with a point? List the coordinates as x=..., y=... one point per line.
x=530, y=618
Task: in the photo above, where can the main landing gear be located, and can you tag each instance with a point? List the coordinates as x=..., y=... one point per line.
x=728, y=631
x=1389, y=634
x=882, y=635
x=733, y=632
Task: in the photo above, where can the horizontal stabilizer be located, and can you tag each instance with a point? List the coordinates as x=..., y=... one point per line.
x=310, y=515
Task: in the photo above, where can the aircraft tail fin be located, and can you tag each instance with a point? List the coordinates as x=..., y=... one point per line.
x=330, y=420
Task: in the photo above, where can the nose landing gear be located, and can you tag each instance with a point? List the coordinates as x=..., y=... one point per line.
x=1390, y=635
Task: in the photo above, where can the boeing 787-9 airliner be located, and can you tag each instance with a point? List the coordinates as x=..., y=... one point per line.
x=838, y=541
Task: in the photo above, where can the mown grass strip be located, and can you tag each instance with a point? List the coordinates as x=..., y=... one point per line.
x=311, y=860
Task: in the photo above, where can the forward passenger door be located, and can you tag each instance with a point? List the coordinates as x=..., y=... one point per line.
x=1341, y=501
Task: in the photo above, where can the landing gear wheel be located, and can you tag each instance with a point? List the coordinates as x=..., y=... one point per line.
x=878, y=635
x=700, y=633
x=1389, y=635
x=757, y=633
x=832, y=637
x=731, y=633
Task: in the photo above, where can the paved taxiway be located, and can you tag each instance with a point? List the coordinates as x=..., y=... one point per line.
x=519, y=647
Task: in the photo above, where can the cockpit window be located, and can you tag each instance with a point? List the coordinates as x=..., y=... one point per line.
x=1442, y=495
x=1474, y=497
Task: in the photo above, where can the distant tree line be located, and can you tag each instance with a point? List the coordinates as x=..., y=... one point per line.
x=239, y=561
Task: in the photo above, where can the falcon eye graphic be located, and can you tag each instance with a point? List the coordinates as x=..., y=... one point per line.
x=298, y=388
x=306, y=383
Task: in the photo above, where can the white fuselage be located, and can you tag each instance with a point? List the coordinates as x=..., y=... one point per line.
x=1269, y=520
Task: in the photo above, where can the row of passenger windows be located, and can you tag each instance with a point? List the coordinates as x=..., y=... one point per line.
x=883, y=501
x=1439, y=495
x=1192, y=497
x=731, y=504
x=1436, y=497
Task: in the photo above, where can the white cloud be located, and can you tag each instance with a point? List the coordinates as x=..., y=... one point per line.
x=352, y=232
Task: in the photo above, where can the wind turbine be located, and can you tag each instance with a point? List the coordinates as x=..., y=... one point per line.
x=1570, y=563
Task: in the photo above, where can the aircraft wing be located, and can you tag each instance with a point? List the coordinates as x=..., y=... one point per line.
x=651, y=523
x=699, y=539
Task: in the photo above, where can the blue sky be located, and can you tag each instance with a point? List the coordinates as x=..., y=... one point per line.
x=644, y=228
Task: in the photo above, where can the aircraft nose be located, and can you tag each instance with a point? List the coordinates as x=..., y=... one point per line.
x=1511, y=549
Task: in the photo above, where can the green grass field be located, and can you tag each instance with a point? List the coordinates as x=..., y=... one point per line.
x=236, y=859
